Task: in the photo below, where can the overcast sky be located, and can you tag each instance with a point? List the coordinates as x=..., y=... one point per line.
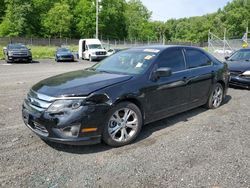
x=166, y=9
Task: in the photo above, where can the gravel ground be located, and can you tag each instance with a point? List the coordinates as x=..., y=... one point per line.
x=199, y=148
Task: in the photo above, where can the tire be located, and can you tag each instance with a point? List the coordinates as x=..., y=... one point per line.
x=216, y=97
x=7, y=59
x=90, y=58
x=121, y=129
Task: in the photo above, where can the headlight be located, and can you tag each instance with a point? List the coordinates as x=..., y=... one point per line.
x=246, y=73
x=62, y=105
x=93, y=53
x=10, y=53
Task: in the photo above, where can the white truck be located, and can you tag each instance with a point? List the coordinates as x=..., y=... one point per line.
x=91, y=49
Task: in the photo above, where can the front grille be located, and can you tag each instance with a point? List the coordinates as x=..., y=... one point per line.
x=235, y=73
x=20, y=54
x=37, y=101
x=101, y=53
x=66, y=56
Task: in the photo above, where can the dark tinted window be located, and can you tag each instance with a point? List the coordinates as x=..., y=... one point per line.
x=173, y=59
x=196, y=58
x=240, y=55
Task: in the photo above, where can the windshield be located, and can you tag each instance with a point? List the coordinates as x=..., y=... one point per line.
x=127, y=62
x=240, y=55
x=16, y=46
x=63, y=50
x=95, y=46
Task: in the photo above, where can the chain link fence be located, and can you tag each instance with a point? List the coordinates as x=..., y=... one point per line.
x=114, y=44
x=221, y=48
x=38, y=41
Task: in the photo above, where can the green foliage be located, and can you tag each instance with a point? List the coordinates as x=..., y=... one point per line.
x=58, y=20
x=84, y=18
x=137, y=18
x=2, y=9
x=112, y=19
x=42, y=52
x=16, y=20
x=118, y=19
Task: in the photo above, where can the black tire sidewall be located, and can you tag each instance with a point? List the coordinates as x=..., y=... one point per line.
x=106, y=137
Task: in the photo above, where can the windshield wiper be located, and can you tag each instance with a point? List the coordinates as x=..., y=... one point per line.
x=91, y=69
x=104, y=71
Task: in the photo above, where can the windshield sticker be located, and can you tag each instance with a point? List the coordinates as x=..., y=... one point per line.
x=151, y=50
x=148, y=57
x=139, y=65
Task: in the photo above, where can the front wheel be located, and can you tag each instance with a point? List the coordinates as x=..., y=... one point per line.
x=7, y=59
x=216, y=97
x=90, y=58
x=123, y=125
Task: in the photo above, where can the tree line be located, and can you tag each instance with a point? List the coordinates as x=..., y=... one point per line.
x=118, y=19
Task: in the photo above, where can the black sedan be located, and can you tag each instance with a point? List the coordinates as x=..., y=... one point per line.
x=17, y=53
x=112, y=100
x=64, y=54
x=239, y=66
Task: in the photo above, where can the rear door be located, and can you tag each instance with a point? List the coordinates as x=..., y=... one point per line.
x=201, y=74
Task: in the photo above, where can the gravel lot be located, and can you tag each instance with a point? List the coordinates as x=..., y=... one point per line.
x=199, y=148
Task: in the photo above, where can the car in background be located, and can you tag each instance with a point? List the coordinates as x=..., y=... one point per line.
x=239, y=67
x=64, y=54
x=17, y=53
x=113, y=99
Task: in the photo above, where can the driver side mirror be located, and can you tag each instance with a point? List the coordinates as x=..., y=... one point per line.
x=162, y=72
x=4, y=49
x=227, y=57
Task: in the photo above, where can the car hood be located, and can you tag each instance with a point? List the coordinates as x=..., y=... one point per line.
x=64, y=53
x=238, y=65
x=78, y=83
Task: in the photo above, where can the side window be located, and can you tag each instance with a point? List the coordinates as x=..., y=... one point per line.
x=173, y=59
x=195, y=58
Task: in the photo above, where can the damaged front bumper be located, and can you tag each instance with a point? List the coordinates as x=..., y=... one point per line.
x=81, y=126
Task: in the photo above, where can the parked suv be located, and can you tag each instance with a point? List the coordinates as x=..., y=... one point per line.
x=17, y=53
x=112, y=100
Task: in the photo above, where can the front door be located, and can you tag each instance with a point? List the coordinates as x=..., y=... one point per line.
x=169, y=95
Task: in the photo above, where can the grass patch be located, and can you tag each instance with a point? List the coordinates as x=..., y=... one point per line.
x=42, y=52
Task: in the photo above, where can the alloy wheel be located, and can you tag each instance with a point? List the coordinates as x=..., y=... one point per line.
x=123, y=125
x=217, y=96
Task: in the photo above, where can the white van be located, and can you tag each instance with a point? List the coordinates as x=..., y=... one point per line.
x=91, y=49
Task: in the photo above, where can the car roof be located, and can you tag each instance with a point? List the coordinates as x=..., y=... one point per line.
x=163, y=47
x=244, y=49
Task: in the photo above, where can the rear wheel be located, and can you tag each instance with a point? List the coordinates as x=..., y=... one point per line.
x=216, y=97
x=123, y=125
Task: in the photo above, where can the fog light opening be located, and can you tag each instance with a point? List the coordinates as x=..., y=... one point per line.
x=71, y=131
